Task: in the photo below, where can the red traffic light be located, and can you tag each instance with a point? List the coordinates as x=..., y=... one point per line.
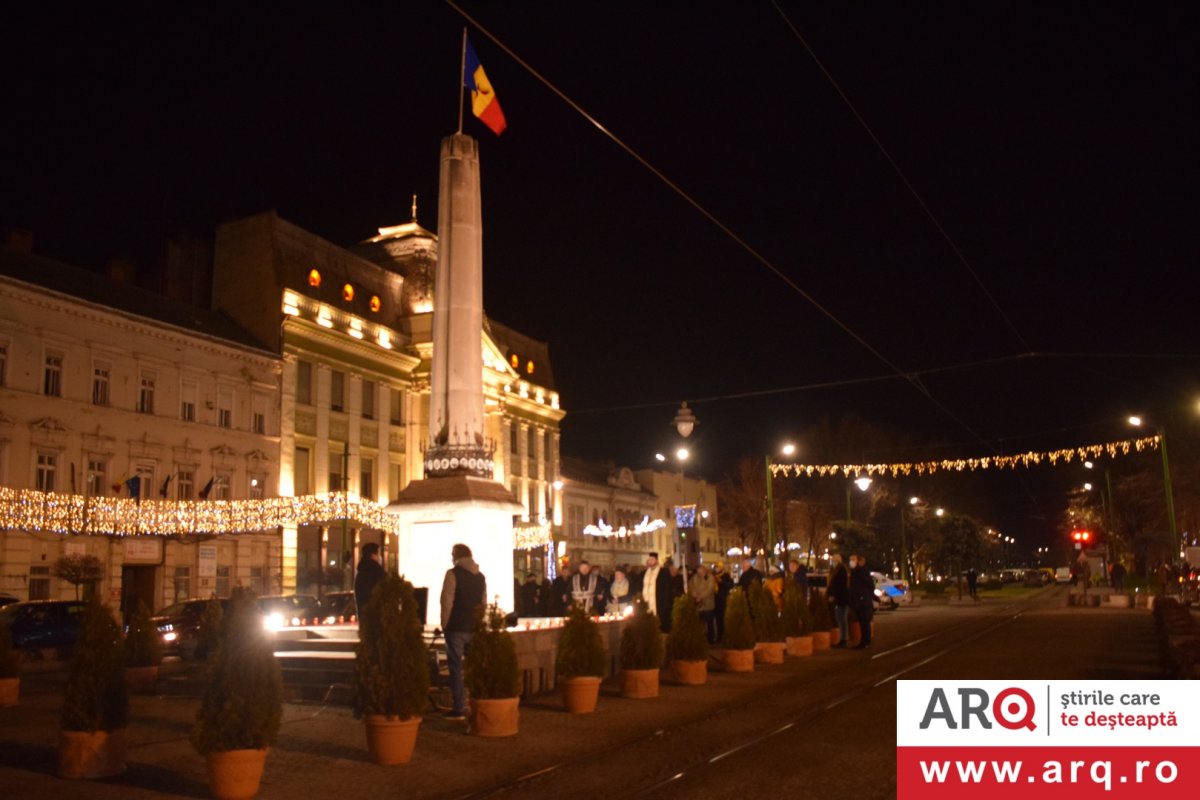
x=1081, y=536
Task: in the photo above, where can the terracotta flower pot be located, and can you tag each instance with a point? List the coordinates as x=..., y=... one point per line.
x=821, y=640
x=1119, y=600
x=10, y=691
x=639, y=683
x=91, y=754
x=799, y=646
x=690, y=673
x=498, y=717
x=855, y=631
x=141, y=679
x=581, y=694
x=737, y=660
x=391, y=740
x=769, y=652
x=236, y=774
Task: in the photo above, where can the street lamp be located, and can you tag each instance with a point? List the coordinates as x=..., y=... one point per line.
x=685, y=422
x=1136, y=421
x=863, y=483
x=788, y=449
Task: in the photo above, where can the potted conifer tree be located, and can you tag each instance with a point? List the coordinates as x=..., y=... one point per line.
x=143, y=652
x=492, y=678
x=738, y=655
x=796, y=620
x=822, y=620
x=768, y=628
x=687, y=646
x=391, y=672
x=10, y=665
x=242, y=705
x=641, y=653
x=579, y=664
x=95, y=702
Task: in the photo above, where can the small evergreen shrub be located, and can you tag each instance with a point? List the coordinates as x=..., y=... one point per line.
x=490, y=668
x=580, y=649
x=739, y=630
x=641, y=641
x=767, y=625
x=243, y=701
x=143, y=648
x=391, y=668
x=9, y=662
x=796, y=619
x=687, y=640
x=818, y=606
x=209, y=633
x=95, y=698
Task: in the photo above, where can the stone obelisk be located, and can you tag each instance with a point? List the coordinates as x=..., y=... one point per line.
x=457, y=500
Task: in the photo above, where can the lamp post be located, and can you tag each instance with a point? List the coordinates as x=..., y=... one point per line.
x=904, y=570
x=863, y=484
x=685, y=422
x=788, y=449
x=1162, y=447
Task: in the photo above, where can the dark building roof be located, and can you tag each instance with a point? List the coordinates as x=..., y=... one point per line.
x=527, y=350
x=94, y=288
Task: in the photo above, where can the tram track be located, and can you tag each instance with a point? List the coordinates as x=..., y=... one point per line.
x=689, y=749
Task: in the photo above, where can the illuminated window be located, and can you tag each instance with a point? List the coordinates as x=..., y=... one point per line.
x=529, y=368
x=314, y=278
x=515, y=361
x=347, y=293
x=375, y=303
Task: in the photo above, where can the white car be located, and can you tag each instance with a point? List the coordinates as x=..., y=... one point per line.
x=890, y=592
x=1062, y=575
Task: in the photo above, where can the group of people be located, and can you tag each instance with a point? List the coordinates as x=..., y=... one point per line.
x=850, y=588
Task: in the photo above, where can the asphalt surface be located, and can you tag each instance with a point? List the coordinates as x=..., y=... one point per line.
x=814, y=727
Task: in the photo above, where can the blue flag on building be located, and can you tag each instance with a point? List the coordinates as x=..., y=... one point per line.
x=134, y=485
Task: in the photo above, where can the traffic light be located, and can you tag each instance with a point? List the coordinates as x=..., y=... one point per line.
x=1081, y=536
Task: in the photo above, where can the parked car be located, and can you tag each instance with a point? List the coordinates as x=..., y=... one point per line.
x=179, y=625
x=43, y=624
x=1062, y=575
x=280, y=610
x=7, y=599
x=337, y=606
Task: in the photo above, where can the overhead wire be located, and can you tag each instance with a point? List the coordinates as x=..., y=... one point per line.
x=937, y=224
x=695, y=204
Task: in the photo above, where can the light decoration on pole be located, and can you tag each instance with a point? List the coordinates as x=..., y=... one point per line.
x=604, y=529
x=1027, y=459
x=685, y=516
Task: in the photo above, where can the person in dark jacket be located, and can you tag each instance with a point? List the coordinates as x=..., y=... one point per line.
x=724, y=585
x=862, y=597
x=370, y=573
x=554, y=597
x=839, y=594
x=531, y=597
x=464, y=590
x=749, y=574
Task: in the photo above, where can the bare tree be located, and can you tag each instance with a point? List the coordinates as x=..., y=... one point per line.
x=78, y=569
x=741, y=499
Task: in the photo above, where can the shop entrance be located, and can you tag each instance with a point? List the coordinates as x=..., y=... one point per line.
x=137, y=584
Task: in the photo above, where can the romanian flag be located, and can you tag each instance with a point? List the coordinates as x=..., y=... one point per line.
x=483, y=99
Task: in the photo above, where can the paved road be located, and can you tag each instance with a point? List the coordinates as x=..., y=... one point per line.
x=816, y=727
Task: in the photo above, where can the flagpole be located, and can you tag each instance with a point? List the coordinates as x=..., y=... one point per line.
x=462, y=84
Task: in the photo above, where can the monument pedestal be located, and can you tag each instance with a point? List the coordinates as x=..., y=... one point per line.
x=434, y=514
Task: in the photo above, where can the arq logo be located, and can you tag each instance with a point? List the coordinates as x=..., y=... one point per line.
x=1012, y=708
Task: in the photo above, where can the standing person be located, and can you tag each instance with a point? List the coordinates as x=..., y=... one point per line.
x=724, y=585
x=464, y=590
x=774, y=585
x=676, y=579
x=585, y=587
x=1118, y=577
x=972, y=581
x=618, y=592
x=704, y=591
x=1085, y=573
x=799, y=573
x=531, y=596
x=656, y=591
x=862, y=597
x=556, y=593
x=370, y=573
x=839, y=593
x=749, y=574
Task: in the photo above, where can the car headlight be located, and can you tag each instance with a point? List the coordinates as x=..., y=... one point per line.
x=169, y=636
x=273, y=622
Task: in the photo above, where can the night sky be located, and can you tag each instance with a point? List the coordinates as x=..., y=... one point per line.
x=1054, y=146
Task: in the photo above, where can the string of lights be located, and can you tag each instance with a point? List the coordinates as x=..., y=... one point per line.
x=1026, y=459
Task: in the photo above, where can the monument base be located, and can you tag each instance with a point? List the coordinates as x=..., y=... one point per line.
x=434, y=514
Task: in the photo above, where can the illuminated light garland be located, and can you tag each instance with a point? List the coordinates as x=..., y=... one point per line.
x=606, y=530
x=530, y=536
x=1027, y=459
x=29, y=510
